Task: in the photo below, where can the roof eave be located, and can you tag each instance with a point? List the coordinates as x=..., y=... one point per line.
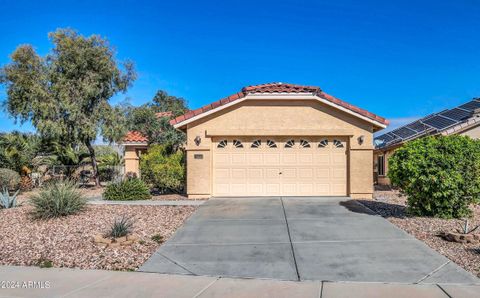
x=279, y=96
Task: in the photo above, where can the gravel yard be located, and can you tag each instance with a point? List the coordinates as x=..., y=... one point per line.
x=68, y=241
x=391, y=205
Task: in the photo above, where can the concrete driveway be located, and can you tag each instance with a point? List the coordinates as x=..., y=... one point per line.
x=329, y=239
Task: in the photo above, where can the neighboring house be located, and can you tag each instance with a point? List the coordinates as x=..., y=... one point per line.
x=463, y=120
x=134, y=144
x=278, y=140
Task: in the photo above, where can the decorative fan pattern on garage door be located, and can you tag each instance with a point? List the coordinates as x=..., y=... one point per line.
x=271, y=144
x=237, y=144
x=337, y=144
x=323, y=143
x=222, y=144
x=304, y=144
x=290, y=144
x=256, y=144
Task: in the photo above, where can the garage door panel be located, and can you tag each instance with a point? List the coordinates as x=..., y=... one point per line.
x=272, y=173
x=271, y=158
x=239, y=174
x=222, y=173
x=298, y=170
x=305, y=174
x=305, y=158
x=322, y=173
x=254, y=158
x=272, y=189
x=222, y=159
x=255, y=173
x=289, y=158
x=322, y=158
x=289, y=173
x=238, y=158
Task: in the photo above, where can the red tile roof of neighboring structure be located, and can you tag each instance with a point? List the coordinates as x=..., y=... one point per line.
x=278, y=88
x=164, y=114
x=134, y=137
x=137, y=137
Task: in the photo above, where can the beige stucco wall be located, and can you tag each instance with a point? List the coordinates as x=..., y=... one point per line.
x=280, y=118
x=132, y=158
x=383, y=180
x=474, y=132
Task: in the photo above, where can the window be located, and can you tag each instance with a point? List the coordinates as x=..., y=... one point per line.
x=271, y=144
x=381, y=165
x=323, y=143
x=237, y=144
x=304, y=144
x=222, y=144
x=256, y=144
x=337, y=144
x=290, y=144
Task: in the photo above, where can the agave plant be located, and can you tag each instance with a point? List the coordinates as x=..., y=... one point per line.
x=8, y=201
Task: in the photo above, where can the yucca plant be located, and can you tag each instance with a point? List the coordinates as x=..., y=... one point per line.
x=57, y=199
x=121, y=227
x=8, y=201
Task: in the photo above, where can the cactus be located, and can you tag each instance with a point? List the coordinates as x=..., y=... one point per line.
x=7, y=201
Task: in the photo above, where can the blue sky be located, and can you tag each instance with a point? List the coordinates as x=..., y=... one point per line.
x=398, y=59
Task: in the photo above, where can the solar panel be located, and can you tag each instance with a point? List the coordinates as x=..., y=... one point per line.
x=439, y=122
x=418, y=126
x=457, y=114
x=471, y=105
x=404, y=132
x=433, y=122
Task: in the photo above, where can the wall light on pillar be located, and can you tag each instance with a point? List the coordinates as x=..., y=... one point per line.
x=197, y=140
x=361, y=139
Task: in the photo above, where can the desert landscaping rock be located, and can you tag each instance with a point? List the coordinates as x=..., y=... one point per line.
x=70, y=241
x=392, y=205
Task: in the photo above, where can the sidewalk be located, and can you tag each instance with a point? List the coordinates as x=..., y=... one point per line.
x=55, y=282
x=100, y=201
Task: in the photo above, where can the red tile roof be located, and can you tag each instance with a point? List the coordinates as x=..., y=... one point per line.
x=134, y=137
x=278, y=88
x=164, y=114
x=137, y=137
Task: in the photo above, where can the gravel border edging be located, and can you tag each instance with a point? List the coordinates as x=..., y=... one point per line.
x=148, y=203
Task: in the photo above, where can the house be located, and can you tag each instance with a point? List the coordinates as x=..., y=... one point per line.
x=463, y=120
x=276, y=139
x=134, y=144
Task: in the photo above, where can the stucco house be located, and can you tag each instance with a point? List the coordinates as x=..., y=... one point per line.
x=275, y=139
x=462, y=120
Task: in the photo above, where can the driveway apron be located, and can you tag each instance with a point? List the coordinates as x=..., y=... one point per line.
x=299, y=238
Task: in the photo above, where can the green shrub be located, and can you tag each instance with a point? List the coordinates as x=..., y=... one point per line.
x=440, y=175
x=164, y=170
x=120, y=227
x=157, y=238
x=129, y=189
x=9, y=179
x=57, y=199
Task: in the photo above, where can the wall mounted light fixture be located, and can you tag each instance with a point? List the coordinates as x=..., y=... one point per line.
x=197, y=140
x=361, y=139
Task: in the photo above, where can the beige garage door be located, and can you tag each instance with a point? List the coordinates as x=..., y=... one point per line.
x=280, y=166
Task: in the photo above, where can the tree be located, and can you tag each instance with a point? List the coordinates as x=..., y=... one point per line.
x=17, y=151
x=164, y=170
x=162, y=102
x=66, y=93
x=440, y=175
x=157, y=130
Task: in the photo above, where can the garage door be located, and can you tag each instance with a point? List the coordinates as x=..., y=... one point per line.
x=280, y=166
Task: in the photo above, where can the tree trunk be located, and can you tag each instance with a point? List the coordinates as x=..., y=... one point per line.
x=94, y=162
